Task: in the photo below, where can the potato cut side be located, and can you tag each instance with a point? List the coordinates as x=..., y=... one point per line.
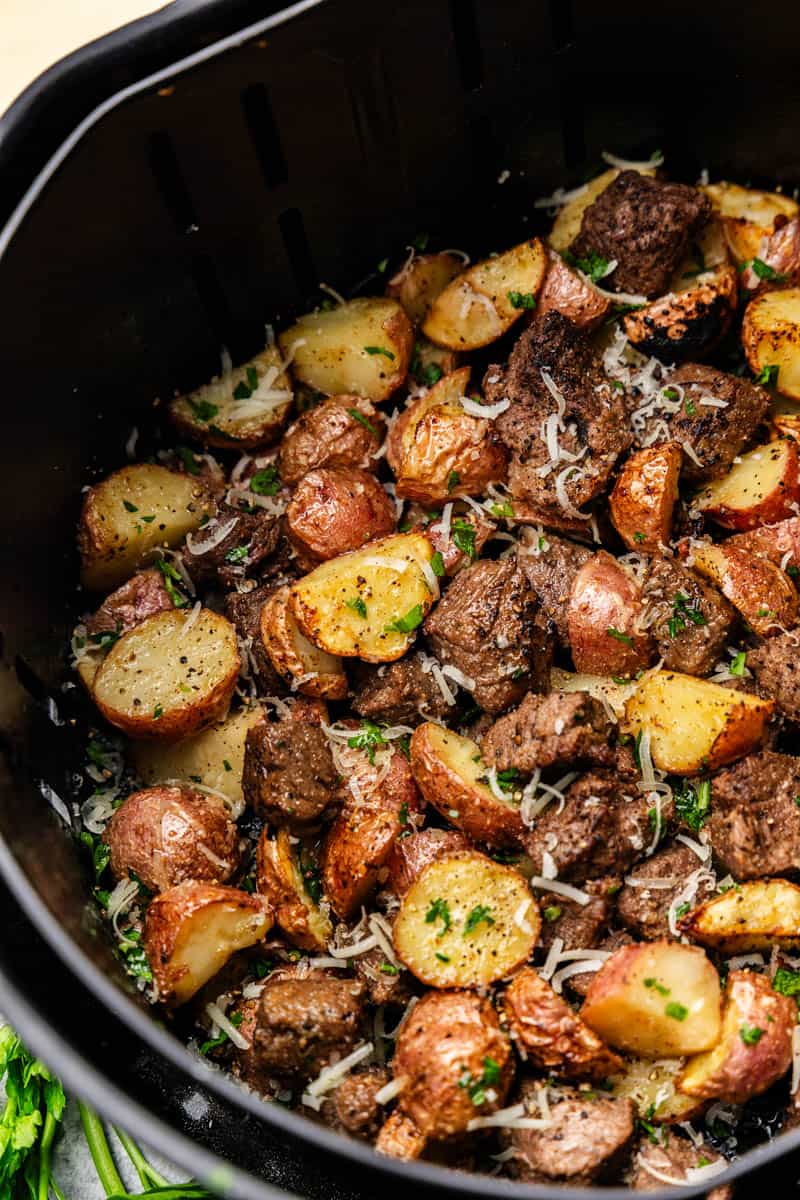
x=368, y=604
x=311, y=670
x=644, y=496
x=246, y=407
x=748, y=216
x=694, y=725
x=169, y=676
x=761, y=487
x=466, y=921
x=191, y=931
x=755, y=915
x=655, y=999
x=602, y=687
x=131, y=513
x=771, y=338
x=483, y=302
x=687, y=322
x=784, y=417
x=652, y=1086
x=361, y=348
x=762, y=592
x=279, y=878
x=421, y=280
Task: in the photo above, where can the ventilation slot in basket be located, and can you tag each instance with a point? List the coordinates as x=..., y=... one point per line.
x=298, y=251
x=264, y=133
x=170, y=181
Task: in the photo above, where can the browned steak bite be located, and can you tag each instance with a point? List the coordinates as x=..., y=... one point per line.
x=671, y=1157
x=776, y=666
x=142, y=596
x=302, y=1022
x=550, y=564
x=243, y=610
x=592, y=431
x=289, y=776
x=399, y=693
x=562, y=727
x=645, y=225
x=645, y=910
x=485, y=626
x=755, y=818
x=715, y=434
x=691, y=621
x=352, y=1107
x=578, y=926
x=231, y=547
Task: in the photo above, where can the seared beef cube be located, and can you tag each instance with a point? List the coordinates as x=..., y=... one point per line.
x=550, y=564
x=582, y=980
x=716, y=435
x=385, y=984
x=776, y=666
x=579, y=926
x=302, y=1022
x=247, y=540
x=592, y=426
x=399, y=693
x=644, y=225
x=671, y=1156
x=289, y=777
x=352, y=1107
x=243, y=610
x=755, y=818
x=645, y=910
x=587, y=1139
x=691, y=621
x=141, y=597
x=560, y=728
x=485, y=626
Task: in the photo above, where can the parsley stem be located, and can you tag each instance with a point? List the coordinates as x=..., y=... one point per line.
x=100, y=1151
x=48, y=1133
x=55, y=1188
x=148, y=1175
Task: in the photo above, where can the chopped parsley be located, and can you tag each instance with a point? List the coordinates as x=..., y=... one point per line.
x=445, y=958
x=502, y=510
x=357, y=605
x=650, y=982
x=373, y=350
x=453, y=480
x=684, y=610
x=787, y=982
x=266, y=482
x=420, y=242
x=238, y=554
x=387, y=968
x=593, y=266
x=619, y=636
x=226, y=765
x=463, y=535
x=407, y=623
x=439, y=910
x=312, y=878
x=552, y=912
x=689, y=405
x=158, y=712
x=639, y=537
x=765, y=271
x=203, y=410
x=476, y=1088
x=222, y=1037
x=678, y=1012
x=129, y=507
x=99, y=851
x=751, y=1035
x=382, y=265
x=362, y=420
x=739, y=663
x=768, y=376
x=682, y=910
x=171, y=576
x=429, y=375
x=368, y=739
x=693, y=804
x=479, y=914
x=521, y=299
x=437, y=563
x=188, y=459
x=245, y=387
x=134, y=957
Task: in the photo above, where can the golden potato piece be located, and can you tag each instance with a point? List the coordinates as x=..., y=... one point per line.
x=369, y=603
x=604, y=615
x=279, y=878
x=748, y=216
x=644, y=496
x=755, y=915
x=132, y=512
x=421, y=280
x=466, y=921
x=169, y=676
x=761, y=487
x=771, y=338
x=360, y=348
x=762, y=592
x=567, y=224
x=311, y=670
x=695, y=725
x=242, y=409
x=656, y=999
x=689, y=320
x=193, y=929
x=485, y=300
x=652, y=1085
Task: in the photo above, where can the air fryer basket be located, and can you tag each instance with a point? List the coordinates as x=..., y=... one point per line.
x=165, y=193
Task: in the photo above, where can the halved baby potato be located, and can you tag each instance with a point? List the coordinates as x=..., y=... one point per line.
x=479, y=305
x=369, y=603
x=466, y=921
x=421, y=280
x=245, y=408
x=279, y=878
x=297, y=660
x=652, y=1086
x=132, y=512
x=169, y=676
x=191, y=931
x=567, y=224
x=361, y=348
x=755, y=915
x=604, y=620
x=689, y=320
x=761, y=486
x=762, y=592
x=694, y=725
x=748, y=216
x=644, y=496
x=771, y=337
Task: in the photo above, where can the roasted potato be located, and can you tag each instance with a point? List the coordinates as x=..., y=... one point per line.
x=439, y=451
x=755, y=915
x=780, y=252
x=360, y=348
x=565, y=291
x=170, y=833
x=754, y=1048
x=466, y=921
x=644, y=496
x=554, y=1037
x=344, y=431
x=602, y=687
x=652, y=1085
x=297, y=660
x=279, y=878
x=771, y=338
x=762, y=486
x=132, y=512
x=336, y=509
x=411, y=854
x=421, y=280
x=429, y=363
x=748, y=216
x=191, y=931
x=367, y=604
x=762, y=592
x=456, y=1063
x=604, y=615
x=694, y=725
x=454, y=779
x=485, y=300
x=245, y=408
x=462, y=526
x=784, y=417
x=656, y=999
x=780, y=543
x=689, y=320
x=170, y=676
x=567, y=224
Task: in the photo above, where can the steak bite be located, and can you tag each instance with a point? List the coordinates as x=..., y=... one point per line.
x=671, y=1156
x=691, y=621
x=755, y=818
x=645, y=226
x=645, y=910
x=591, y=432
x=144, y=595
x=776, y=666
x=399, y=693
x=243, y=610
x=545, y=731
x=550, y=565
x=289, y=776
x=715, y=434
x=352, y=1108
x=231, y=547
x=301, y=1023
x=579, y=926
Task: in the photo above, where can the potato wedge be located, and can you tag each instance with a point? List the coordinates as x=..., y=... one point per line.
x=695, y=725
x=602, y=687
x=466, y=921
x=213, y=758
x=755, y=915
x=755, y=1045
x=644, y=496
x=762, y=486
x=360, y=348
x=368, y=604
x=780, y=543
x=689, y=320
x=191, y=931
x=132, y=512
x=567, y=224
x=652, y=1085
x=771, y=337
x=565, y=291
x=245, y=408
x=485, y=300
x=279, y=878
x=170, y=676
x=604, y=614
x=297, y=660
x=453, y=778
x=762, y=592
x=748, y=215
x=656, y=999
x=421, y=280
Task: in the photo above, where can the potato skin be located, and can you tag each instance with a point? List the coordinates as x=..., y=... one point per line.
x=761, y=488
x=336, y=509
x=644, y=496
x=330, y=435
x=604, y=598
x=294, y=657
x=564, y=291
x=279, y=879
x=771, y=336
x=411, y=854
x=686, y=324
x=762, y=592
x=447, y=1036
x=168, y=834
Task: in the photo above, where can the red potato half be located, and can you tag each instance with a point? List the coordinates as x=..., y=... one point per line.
x=644, y=496
x=417, y=284
x=771, y=337
x=336, y=509
x=773, y=542
x=762, y=592
x=760, y=488
x=312, y=671
x=603, y=615
x=748, y=216
x=565, y=291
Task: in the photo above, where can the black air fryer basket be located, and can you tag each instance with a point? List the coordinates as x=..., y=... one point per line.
x=167, y=191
